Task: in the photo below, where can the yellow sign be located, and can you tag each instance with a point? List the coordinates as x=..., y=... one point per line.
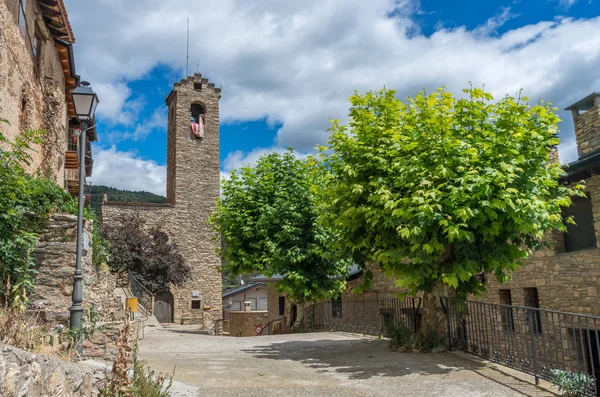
x=131, y=304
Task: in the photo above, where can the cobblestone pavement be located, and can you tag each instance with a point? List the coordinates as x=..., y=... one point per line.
x=319, y=364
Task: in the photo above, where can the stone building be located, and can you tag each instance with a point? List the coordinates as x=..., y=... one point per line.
x=37, y=75
x=193, y=186
x=566, y=275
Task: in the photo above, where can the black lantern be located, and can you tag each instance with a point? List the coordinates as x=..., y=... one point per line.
x=85, y=101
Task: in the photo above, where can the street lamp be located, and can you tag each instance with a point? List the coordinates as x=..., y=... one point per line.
x=85, y=101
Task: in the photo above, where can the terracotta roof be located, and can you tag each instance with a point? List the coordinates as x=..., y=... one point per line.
x=57, y=19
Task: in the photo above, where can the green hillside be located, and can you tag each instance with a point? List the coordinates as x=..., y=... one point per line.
x=98, y=192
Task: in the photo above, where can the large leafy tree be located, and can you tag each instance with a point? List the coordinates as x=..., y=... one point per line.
x=437, y=189
x=267, y=218
x=146, y=252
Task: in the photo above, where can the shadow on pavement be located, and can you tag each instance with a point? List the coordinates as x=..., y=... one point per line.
x=361, y=358
x=366, y=358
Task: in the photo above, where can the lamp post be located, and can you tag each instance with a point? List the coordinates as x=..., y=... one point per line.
x=85, y=102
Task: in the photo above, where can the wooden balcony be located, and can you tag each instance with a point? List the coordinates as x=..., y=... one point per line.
x=71, y=160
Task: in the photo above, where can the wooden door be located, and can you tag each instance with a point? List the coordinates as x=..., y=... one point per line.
x=163, y=307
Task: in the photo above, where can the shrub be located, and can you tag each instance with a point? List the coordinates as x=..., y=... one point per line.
x=25, y=202
x=129, y=376
x=147, y=253
x=574, y=384
x=404, y=338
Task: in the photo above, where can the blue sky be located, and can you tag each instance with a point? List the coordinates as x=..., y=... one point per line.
x=287, y=67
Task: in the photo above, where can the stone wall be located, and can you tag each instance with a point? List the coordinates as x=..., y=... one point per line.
x=587, y=129
x=566, y=281
x=193, y=187
x=245, y=323
x=26, y=374
x=55, y=263
x=33, y=97
x=382, y=288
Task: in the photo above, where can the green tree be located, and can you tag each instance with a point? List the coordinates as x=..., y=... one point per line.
x=437, y=189
x=146, y=252
x=267, y=218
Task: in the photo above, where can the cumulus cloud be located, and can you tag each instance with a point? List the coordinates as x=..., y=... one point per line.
x=126, y=170
x=238, y=159
x=296, y=62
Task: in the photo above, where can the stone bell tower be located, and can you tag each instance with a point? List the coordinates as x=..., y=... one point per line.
x=193, y=165
x=193, y=187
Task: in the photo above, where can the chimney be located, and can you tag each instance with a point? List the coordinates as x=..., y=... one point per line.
x=586, y=117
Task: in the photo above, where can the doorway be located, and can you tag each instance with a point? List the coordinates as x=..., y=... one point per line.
x=163, y=307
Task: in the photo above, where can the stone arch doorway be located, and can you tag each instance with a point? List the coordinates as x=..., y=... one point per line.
x=163, y=307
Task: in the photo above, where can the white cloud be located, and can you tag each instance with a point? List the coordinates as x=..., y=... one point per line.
x=566, y=4
x=568, y=151
x=296, y=62
x=125, y=170
x=138, y=132
x=237, y=159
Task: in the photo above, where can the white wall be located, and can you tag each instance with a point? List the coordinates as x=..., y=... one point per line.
x=257, y=296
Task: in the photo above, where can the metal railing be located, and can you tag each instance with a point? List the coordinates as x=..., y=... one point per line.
x=531, y=340
x=145, y=297
x=274, y=327
x=370, y=317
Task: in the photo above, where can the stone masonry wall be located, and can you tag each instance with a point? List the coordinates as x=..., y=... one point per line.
x=26, y=374
x=587, y=129
x=245, y=323
x=32, y=97
x=55, y=263
x=566, y=281
x=193, y=187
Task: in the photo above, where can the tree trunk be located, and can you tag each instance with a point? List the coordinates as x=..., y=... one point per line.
x=433, y=316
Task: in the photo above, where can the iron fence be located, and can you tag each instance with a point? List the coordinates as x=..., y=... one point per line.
x=531, y=340
x=370, y=317
x=145, y=297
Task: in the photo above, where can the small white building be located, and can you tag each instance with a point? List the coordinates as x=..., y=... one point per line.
x=234, y=299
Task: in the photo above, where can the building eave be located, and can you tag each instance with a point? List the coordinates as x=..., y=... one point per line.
x=582, y=168
x=57, y=19
x=245, y=288
x=584, y=103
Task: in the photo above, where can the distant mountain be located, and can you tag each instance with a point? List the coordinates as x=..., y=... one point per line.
x=98, y=192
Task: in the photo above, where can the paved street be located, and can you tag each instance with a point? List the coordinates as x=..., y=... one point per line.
x=317, y=364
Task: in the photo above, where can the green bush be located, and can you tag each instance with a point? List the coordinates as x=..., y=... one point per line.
x=401, y=337
x=25, y=203
x=574, y=384
x=405, y=339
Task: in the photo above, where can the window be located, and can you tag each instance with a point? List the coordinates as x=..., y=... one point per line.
x=262, y=303
x=197, y=110
x=197, y=86
x=281, y=305
x=252, y=303
x=506, y=313
x=22, y=18
x=581, y=235
x=336, y=307
x=532, y=300
x=195, y=304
